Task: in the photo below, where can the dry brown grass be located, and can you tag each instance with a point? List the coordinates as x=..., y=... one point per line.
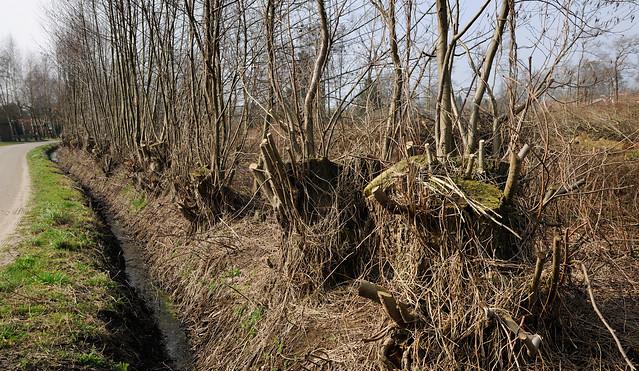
x=252, y=298
x=229, y=291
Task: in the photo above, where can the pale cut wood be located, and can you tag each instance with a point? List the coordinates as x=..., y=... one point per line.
x=470, y=166
x=513, y=171
x=263, y=182
x=531, y=341
x=480, y=157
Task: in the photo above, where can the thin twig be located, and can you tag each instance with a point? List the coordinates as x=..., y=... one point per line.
x=601, y=317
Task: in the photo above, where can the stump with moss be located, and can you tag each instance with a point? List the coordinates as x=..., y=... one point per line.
x=444, y=251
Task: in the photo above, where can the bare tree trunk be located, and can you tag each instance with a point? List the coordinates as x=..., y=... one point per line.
x=270, y=49
x=485, y=75
x=318, y=68
x=398, y=80
x=616, y=78
x=443, y=110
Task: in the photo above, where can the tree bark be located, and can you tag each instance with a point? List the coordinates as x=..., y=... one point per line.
x=444, y=136
x=311, y=93
x=485, y=75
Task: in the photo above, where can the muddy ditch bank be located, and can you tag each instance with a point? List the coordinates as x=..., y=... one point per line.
x=159, y=338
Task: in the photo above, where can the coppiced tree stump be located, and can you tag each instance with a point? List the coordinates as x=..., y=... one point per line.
x=429, y=217
x=321, y=220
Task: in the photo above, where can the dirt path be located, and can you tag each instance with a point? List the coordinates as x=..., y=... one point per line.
x=14, y=192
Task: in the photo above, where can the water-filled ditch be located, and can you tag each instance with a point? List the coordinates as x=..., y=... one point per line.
x=174, y=338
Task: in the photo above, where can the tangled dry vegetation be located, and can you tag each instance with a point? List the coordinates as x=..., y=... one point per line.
x=430, y=266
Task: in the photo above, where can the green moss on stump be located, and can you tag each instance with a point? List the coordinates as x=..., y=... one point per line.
x=485, y=194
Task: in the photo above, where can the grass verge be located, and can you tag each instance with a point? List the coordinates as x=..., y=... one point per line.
x=62, y=305
x=137, y=199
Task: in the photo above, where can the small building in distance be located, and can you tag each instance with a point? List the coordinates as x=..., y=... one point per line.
x=17, y=125
x=6, y=130
x=9, y=114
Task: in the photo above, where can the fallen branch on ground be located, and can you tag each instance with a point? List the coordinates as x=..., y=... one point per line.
x=532, y=341
x=396, y=310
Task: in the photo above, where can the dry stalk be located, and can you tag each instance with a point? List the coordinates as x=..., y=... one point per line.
x=556, y=267
x=396, y=310
x=603, y=320
x=429, y=157
x=539, y=267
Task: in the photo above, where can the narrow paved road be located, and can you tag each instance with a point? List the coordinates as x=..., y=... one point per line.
x=14, y=189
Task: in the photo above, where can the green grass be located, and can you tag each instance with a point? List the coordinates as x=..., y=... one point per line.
x=585, y=142
x=50, y=296
x=232, y=273
x=137, y=199
x=249, y=320
x=8, y=143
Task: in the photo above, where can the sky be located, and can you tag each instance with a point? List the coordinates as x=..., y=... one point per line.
x=24, y=20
